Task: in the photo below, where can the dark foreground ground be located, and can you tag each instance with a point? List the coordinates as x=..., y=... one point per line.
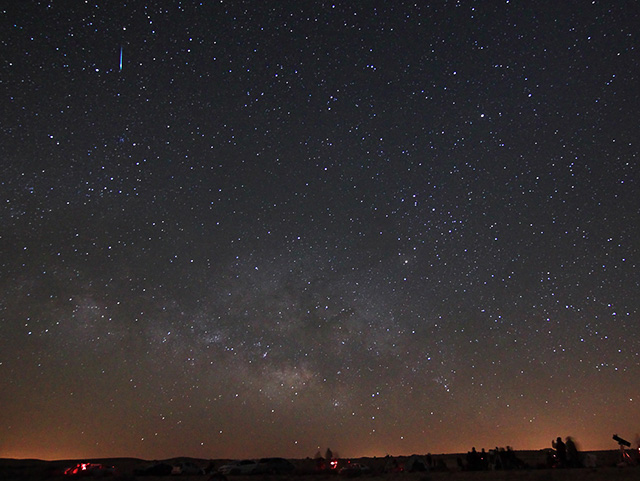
x=127, y=469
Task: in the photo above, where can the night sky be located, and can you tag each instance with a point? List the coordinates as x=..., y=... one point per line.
x=243, y=229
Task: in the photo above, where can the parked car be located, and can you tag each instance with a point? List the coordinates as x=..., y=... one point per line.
x=157, y=469
x=354, y=469
x=187, y=467
x=246, y=466
x=274, y=466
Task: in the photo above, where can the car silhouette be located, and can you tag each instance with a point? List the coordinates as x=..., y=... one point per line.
x=186, y=467
x=274, y=466
x=354, y=469
x=246, y=466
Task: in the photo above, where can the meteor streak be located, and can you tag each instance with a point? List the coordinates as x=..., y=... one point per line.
x=121, y=59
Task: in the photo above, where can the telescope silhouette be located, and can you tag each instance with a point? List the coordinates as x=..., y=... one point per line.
x=620, y=441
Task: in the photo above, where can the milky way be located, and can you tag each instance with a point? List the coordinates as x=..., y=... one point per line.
x=241, y=229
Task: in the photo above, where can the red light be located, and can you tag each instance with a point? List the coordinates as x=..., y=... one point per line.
x=83, y=467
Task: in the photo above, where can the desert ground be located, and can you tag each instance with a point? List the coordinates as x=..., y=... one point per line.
x=128, y=469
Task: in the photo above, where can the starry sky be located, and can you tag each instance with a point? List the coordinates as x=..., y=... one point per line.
x=252, y=228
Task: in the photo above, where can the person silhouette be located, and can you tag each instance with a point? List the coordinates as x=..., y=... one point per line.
x=573, y=457
x=561, y=451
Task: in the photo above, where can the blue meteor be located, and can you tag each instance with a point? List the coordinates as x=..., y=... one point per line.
x=121, y=59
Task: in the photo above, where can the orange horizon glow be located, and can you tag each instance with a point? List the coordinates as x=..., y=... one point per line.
x=73, y=455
